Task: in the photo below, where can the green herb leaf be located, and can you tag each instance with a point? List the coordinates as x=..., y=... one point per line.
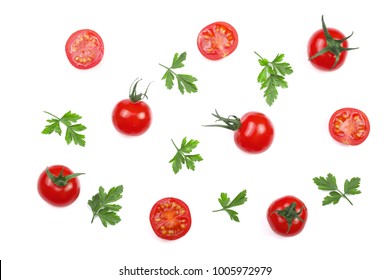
x=101, y=205
x=333, y=197
x=329, y=184
x=183, y=155
x=185, y=82
x=351, y=187
x=226, y=204
x=72, y=134
x=272, y=76
x=178, y=60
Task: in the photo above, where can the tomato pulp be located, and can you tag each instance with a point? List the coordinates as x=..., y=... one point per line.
x=170, y=218
x=84, y=49
x=349, y=126
x=217, y=40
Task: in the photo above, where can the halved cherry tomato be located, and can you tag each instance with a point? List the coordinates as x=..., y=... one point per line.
x=287, y=215
x=349, y=126
x=84, y=49
x=58, y=185
x=217, y=40
x=170, y=218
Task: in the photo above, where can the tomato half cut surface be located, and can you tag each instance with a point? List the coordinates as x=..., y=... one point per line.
x=170, y=218
x=349, y=126
x=217, y=40
x=84, y=49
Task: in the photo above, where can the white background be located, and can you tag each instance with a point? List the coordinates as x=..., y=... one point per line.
x=38, y=241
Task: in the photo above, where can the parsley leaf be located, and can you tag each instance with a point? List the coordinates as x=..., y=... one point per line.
x=272, y=76
x=185, y=82
x=183, y=155
x=226, y=204
x=329, y=184
x=72, y=128
x=102, y=207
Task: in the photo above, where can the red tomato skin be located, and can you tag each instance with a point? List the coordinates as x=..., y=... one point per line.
x=184, y=217
x=278, y=224
x=346, y=138
x=96, y=49
x=131, y=118
x=219, y=51
x=56, y=195
x=255, y=134
x=325, y=61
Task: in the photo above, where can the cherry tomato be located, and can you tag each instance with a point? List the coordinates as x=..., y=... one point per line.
x=253, y=133
x=349, y=126
x=287, y=215
x=59, y=186
x=84, y=49
x=170, y=218
x=325, y=50
x=217, y=40
x=256, y=133
x=132, y=116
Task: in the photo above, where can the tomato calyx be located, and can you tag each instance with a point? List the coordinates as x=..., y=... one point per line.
x=61, y=180
x=334, y=46
x=231, y=122
x=290, y=214
x=133, y=95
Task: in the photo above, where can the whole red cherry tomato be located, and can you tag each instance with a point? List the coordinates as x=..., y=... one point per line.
x=217, y=40
x=349, y=126
x=287, y=215
x=132, y=116
x=84, y=49
x=170, y=218
x=58, y=185
x=253, y=133
x=327, y=48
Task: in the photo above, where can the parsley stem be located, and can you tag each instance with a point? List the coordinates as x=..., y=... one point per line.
x=343, y=195
x=169, y=69
x=94, y=215
x=164, y=66
x=175, y=145
x=51, y=115
x=258, y=55
x=219, y=210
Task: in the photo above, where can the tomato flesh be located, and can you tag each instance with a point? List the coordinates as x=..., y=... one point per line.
x=256, y=133
x=217, y=40
x=131, y=118
x=326, y=61
x=349, y=126
x=170, y=218
x=84, y=49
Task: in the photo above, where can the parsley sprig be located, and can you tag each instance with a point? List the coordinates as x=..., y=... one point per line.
x=102, y=207
x=69, y=119
x=185, y=82
x=226, y=204
x=329, y=184
x=183, y=155
x=272, y=76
